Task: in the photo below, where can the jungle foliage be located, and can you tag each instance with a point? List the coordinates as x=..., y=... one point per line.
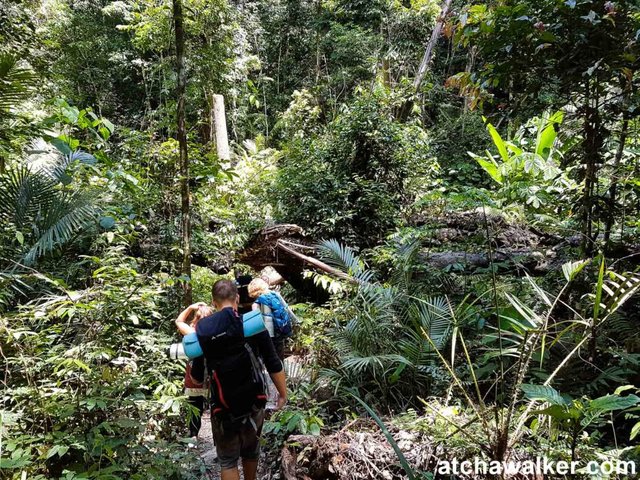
x=518, y=150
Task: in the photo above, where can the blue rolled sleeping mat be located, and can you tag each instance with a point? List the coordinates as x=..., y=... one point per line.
x=252, y=324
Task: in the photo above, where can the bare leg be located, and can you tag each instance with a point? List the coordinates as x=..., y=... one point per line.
x=232, y=474
x=249, y=468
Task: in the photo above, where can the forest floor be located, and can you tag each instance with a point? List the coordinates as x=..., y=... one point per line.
x=207, y=449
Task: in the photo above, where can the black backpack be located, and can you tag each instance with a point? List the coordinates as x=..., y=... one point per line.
x=238, y=384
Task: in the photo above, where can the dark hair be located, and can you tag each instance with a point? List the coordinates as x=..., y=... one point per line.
x=224, y=290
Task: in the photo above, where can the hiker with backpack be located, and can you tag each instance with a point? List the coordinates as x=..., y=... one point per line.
x=278, y=316
x=238, y=393
x=196, y=392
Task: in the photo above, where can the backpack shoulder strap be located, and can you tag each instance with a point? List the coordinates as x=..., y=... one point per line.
x=286, y=306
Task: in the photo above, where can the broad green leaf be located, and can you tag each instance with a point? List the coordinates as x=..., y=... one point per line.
x=491, y=167
x=71, y=113
x=107, y=222
x=293, y=422
x=544, y=393
x=610, y=403
x=302, y=426
x=499, y=142
x=559, y=412
x=314, y=429
x=61, y=146
x=548, y=135
x=59, y=450
x=109, y=125
x=514, y=148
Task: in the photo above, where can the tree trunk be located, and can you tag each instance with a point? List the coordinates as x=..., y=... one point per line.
x=592, y=145
x=428, y=53
x=426, y=58
x=613, y=188
x=178, y=19
x=220, y=121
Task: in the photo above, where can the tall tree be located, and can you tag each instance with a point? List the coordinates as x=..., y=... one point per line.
x=405, y=108
x=178, y=20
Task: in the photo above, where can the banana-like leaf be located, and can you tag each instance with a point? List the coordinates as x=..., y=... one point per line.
x=547, y=134
x=499, y=142
x=490, y=166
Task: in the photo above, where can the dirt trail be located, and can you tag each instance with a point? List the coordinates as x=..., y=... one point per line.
x=207, y=449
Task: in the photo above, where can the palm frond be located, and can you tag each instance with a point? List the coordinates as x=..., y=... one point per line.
x=60, y=223
x=46, y=215
x=374, y=363
x=57, y=169
x=404, y=266
x=24, y=195
x=378, y=297
x=435, y=317
x=53, y=159
x=619, y=288
x=16, y=83
x=344, y=258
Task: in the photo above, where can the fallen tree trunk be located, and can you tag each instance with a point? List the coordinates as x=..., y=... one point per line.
x=516, y=262
x=281, y=247
x=515, y=249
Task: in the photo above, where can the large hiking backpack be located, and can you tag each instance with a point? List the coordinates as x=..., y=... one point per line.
x=279, y=313
x=238, y=383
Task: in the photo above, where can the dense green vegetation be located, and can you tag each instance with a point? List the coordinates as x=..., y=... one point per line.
x=477, y=209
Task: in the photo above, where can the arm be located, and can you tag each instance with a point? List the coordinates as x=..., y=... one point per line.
x=255, y=306
x=182, y=321
x=274, y=366
x=281, y=385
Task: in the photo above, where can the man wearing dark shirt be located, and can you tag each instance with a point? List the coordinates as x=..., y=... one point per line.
x=238, y=396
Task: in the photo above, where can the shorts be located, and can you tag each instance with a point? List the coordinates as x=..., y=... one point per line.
x=237, y=438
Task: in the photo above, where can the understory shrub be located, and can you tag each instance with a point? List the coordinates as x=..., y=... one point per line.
x=88, y=390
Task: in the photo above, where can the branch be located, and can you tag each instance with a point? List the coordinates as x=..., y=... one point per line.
x=284, y=245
